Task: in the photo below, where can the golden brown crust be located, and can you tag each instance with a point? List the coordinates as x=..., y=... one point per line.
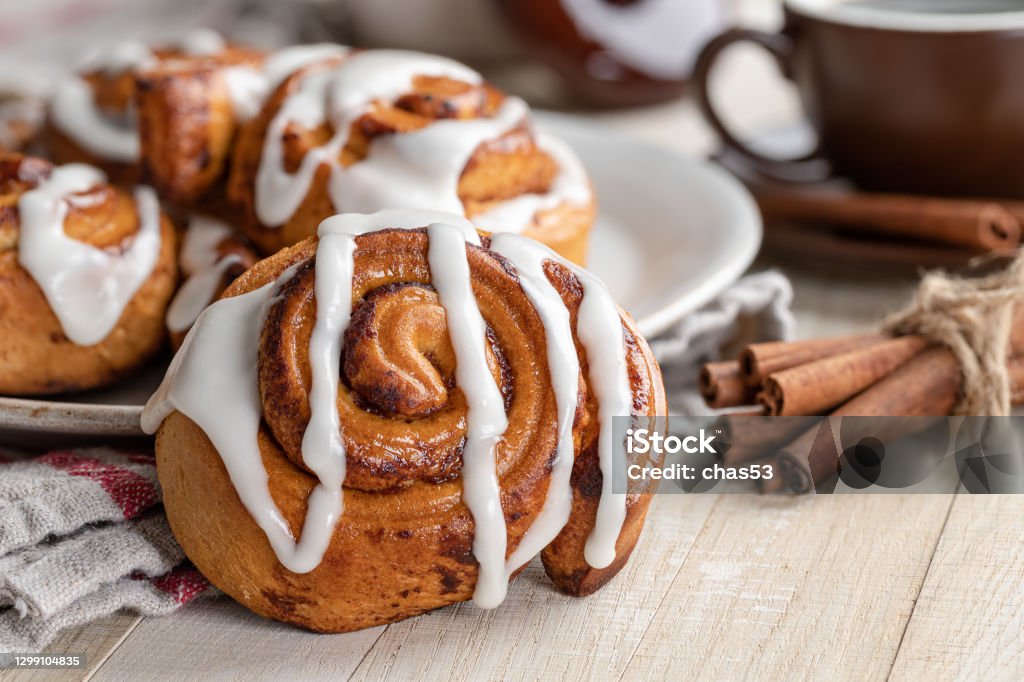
x=35, y=355
x=187, y=124
x=404, y=543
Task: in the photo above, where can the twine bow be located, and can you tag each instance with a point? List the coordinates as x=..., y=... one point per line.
x=973, y=318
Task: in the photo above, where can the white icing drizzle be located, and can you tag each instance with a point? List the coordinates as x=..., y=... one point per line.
x=203, y=270
x=199, y=248
x=571, y=185
x=339, y=95
x=75, y=113
x=486, y=421
x=213, y=381
x=201, y=42
x=599, y=328
x=197, y=292
x=249, y=87
x=127, y=55
x=87, y=288
x=419, y=169
x=528, y=258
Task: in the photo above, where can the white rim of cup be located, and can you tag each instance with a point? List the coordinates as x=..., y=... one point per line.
x=836, y=11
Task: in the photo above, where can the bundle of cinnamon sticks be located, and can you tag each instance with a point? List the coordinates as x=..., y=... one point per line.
x=864, y=375
x=969, y=224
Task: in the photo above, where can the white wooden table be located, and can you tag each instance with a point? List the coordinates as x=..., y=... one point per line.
x=720, y=587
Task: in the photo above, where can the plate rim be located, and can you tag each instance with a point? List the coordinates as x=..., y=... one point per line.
x=658, y=321
x=36, y=415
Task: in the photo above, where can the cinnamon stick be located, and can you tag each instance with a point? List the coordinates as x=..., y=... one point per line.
x=722, y=386
x=752, y=439
x=1015, y=367
x=817, y=387
x=968, y=223
x=759, y=360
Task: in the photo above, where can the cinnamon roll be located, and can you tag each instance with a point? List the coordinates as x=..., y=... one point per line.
x=398, y=415
x=92, y=117
x=86, y=271
x=320, y=129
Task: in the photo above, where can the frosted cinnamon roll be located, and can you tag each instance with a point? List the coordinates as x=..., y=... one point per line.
x=398, y=415
x=86, y=271
x=93, y=114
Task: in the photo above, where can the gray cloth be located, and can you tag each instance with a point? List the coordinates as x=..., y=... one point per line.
x=754, y=309
x=82, y=535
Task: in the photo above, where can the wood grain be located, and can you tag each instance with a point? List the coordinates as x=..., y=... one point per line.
x=222, y=639
x=969, y=620
x=795, y=588
x=96, y=641
x=539, y=633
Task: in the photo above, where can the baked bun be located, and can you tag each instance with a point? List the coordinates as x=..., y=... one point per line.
x=65, y=237
x=373, y=424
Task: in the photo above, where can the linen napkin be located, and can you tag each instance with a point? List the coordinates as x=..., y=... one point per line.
x=756, y=308
x=82, y=535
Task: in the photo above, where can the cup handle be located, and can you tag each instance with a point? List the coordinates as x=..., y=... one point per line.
x=780, y=46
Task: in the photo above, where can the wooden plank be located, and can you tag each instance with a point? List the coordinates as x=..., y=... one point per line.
x=221, y=639
x=786, y=588
x=969, y=619
x=96, y=640
x=540, y=633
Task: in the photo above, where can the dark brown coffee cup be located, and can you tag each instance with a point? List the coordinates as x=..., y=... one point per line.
x=910, y=100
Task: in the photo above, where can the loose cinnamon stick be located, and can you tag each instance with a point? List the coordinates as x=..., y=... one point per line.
x=759, y=360
x=968, y=223
x=721, y=386
x=819, y=386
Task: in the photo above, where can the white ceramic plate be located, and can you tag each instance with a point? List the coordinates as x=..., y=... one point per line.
x=672, y=232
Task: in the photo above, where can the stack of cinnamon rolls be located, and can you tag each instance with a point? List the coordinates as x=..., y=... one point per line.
x=409, y=397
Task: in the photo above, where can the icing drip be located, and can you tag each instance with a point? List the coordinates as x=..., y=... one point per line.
x=600, y=331
x=87, y=288
x=421, y=168
x=340, y=95
x=486, y=421
x=528, y=258
x=599, y=328
x=249, y=87
x=199, y=248
x=75, y=113
x=570, y=185
x=322, y=448
x=196, y=293
x=213, y=381
x=201, y=42
x=203, y=270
